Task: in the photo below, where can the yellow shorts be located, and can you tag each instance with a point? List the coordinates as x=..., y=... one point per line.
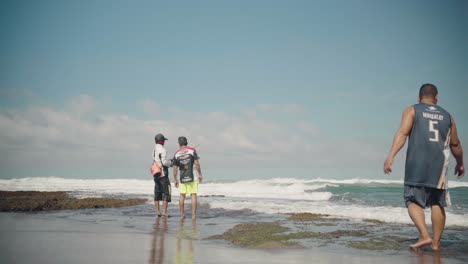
x=189, y=187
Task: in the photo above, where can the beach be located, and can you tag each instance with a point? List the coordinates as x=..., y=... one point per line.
x=323, y=221
x=43, y=238
x=117, y=236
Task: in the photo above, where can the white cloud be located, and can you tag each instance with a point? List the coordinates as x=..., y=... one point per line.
x=149, y=107
x=308, y=128
x=82, y=104
x=292, y=109
x=50, y=136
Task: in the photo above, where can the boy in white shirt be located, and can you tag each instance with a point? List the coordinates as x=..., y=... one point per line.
x=162, y=185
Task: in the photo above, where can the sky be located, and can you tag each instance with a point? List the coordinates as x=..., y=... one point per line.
x=264, y=89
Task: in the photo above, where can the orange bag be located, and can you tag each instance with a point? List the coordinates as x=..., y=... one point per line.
x=154, y=169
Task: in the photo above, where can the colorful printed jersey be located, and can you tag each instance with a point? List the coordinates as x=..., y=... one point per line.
x=428, y=147
x=184, y=158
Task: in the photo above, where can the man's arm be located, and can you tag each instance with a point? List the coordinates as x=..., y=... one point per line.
x=175, y=170
x=457, y=151
x=400, y=137
x=197, y=167
x=164, y=160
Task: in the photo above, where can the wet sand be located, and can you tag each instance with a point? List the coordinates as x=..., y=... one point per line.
x=50, y=238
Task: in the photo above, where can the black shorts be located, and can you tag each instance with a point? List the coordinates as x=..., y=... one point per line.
x=425, y=196
x=162, y=189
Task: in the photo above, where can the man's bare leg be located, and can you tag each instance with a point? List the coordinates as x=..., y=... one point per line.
x=438, y=224
x=181, y=205
x=417, y=215
x=194, y=206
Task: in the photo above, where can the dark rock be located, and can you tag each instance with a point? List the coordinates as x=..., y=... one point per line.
x=24, y=201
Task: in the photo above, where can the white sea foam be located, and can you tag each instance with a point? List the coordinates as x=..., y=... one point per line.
x=356, y=181
x=96, y=186
x=280, y=195
x=455, y=184
x=267, y=189
x=248, y=189
x=451, y=184
x=382, y=213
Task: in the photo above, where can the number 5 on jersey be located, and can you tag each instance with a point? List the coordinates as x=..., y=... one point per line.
x=433, y=129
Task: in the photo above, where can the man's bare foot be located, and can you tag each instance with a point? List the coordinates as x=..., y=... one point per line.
x=158, y=213
x=421, y=242
x=194, y=217
x=435, y=245
x=182, y=216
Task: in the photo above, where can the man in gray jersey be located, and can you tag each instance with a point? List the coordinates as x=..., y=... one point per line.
x=432, y=135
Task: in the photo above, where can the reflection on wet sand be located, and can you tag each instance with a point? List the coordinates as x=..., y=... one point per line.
x=184, y=244
x=424, y=258
x=157, y=244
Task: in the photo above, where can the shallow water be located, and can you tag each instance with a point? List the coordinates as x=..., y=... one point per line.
x=222, y=205
x=217, y=221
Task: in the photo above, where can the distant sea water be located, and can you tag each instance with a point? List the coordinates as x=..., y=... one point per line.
x=353, y=199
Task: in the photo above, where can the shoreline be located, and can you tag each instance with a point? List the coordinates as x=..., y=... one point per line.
x=60, y=237
x=64, y=240
x=245, y=235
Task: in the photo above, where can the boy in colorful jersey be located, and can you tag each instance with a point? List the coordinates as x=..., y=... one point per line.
x=184, y=160
x=432, y=135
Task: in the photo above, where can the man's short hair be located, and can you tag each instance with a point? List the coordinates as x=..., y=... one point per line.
x=183, y=141
x=428, y=90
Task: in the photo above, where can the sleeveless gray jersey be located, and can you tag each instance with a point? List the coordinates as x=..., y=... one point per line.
x=428, y=147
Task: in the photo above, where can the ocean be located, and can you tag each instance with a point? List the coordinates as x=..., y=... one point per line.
x=351, y=199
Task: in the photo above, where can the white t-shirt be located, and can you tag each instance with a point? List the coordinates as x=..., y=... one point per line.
x=160, y=154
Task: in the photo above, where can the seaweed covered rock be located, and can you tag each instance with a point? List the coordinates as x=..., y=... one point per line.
x=18, y=201
x=258, y=235
x=274, y=235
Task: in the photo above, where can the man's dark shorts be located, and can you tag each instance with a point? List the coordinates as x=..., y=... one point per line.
x=424, y=196
x=162, y=189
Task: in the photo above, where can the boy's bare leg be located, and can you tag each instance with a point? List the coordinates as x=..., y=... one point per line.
x=438, y=224
x=164, y=208
x=181, y=205
x=417, y=215
x=156, y=206
x=194, y=206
